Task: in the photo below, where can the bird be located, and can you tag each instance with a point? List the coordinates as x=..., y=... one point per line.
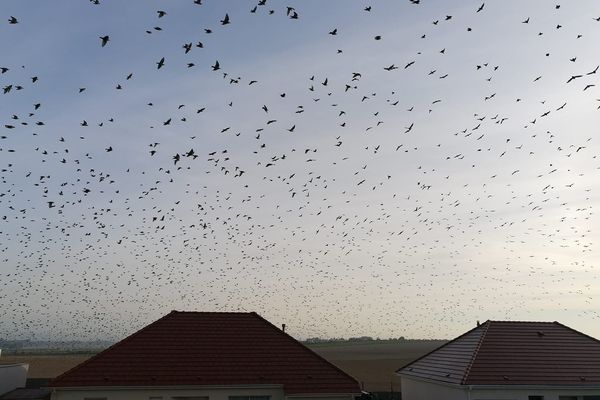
x=225, y=20
x=104, y=40
x=193, y=201
x=13, y=20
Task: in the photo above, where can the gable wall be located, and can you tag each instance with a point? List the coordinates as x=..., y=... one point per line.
x=12, y=376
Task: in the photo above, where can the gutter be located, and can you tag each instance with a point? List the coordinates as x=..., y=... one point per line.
x=159, y=387
x=594, y=386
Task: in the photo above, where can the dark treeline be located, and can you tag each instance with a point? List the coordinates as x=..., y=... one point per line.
x=367, y=339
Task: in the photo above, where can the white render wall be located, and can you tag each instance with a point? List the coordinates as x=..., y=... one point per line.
x=221, y=393
x=12, y=376
x=322, y=397
x=213, y=393
x=413, y=389
x=523, y=394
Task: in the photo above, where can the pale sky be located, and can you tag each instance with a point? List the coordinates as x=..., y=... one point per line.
x=428, y=166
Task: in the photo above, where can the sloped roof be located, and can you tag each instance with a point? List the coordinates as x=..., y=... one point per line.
x=200, y=348
x=513, y=353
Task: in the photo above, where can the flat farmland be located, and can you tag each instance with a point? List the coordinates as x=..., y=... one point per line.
x=46, y=365
x=372, y=364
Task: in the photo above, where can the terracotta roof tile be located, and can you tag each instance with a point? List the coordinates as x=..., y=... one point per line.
x=197, y=348
x=513, y=353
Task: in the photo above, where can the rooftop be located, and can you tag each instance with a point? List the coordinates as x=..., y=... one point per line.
x=201, y=348
x=513, y=353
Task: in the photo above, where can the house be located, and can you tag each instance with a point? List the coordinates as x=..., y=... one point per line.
x=206, y=356
x=27, y=394
x=508, y=360
x=12, y=376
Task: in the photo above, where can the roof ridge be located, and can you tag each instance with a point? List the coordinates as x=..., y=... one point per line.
x=576, y=331
x=211, y=312
x=78, y=366
x=437, y=348
x=520, y=321
x=302, y=346
x=486, y=326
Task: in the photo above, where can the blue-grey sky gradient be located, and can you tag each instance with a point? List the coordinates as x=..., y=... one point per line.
x=349, y=224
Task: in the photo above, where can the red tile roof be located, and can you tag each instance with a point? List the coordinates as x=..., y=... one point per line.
x=199, y=348
x=513, y=353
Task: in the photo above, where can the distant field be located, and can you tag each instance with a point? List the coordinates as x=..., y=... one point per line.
x=372, y=364
x=48, y=365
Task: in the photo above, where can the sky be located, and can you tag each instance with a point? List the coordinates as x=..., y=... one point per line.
x=379, y=168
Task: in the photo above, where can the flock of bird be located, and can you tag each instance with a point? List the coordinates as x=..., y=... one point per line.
x=380, y=168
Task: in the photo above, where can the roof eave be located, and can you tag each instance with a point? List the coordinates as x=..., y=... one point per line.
x=170, y=387
x=291, y=395
x=594, y=386
x=591, y=386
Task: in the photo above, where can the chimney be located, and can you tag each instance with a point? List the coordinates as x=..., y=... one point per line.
x=283, y=327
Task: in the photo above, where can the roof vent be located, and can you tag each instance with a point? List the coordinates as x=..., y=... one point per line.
x=582, y=378
x=448, y=375
x=106, y=379
x=478, y=323
x=505, y=378
x=283, y=327
x=540, y=333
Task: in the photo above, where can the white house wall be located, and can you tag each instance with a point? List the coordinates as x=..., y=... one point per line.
x=165, y=393
x=12, y=376
x=323, y=397
x=508, y=394
x=413, y=389
x=169, y=393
